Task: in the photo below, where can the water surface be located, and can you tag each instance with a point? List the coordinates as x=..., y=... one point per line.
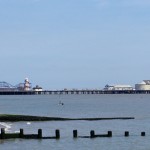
x=75, y=106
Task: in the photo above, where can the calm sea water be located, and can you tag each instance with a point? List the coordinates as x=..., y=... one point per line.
x=137, y=106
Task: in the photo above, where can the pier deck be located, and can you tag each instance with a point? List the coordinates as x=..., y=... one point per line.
x=66, y=92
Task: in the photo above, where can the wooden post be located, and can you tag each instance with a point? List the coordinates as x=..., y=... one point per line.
x=2, y=133
x=39, y=133
x=126, y=133
x=75, y=133
x=92, y=133
x=109, y=134
x=142, y=133
x=57, y=134
x=21, y=133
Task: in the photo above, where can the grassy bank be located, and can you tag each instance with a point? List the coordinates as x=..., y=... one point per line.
x=15, y=118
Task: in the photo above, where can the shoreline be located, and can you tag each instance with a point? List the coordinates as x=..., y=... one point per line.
x=17, y=118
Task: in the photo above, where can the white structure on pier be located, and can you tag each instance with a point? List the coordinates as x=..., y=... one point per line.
x=144, y=85
x=27, y=85
x=37, y=89
x=117, y=87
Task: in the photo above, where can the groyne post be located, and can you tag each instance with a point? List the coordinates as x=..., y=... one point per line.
x=57, y=133
x=109, y=133
x=75, y=133
x=21, y=135
x=126, y=133
x=142, y=133
x=39, y=133
x=92, y=133
x=2, y=133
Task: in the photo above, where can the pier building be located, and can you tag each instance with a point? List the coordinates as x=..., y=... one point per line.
x=37, y=88
x=26, y=86
x=144, y=85
x=118, y=87
x=26, y=89
x=4, y=86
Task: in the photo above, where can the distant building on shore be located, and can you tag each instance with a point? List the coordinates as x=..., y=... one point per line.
x=144, y=85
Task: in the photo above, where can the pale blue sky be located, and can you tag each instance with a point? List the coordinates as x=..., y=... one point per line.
x=74, y=43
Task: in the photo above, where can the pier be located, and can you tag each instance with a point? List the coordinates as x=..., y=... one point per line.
x=74, y=92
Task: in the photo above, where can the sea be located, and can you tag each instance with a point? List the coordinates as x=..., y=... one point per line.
x=79, y=106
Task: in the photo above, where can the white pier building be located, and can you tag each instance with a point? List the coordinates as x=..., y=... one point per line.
x=144, y=85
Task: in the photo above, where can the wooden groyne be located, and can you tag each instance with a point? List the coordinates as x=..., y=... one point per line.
x=75, y=92
x=108, y=134
x=21, y=134
x=39, y=135
x=15, y=118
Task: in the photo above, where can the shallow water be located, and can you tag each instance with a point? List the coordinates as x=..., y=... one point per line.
x=137, y=106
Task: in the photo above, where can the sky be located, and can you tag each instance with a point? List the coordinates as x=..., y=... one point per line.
x=74, y=43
